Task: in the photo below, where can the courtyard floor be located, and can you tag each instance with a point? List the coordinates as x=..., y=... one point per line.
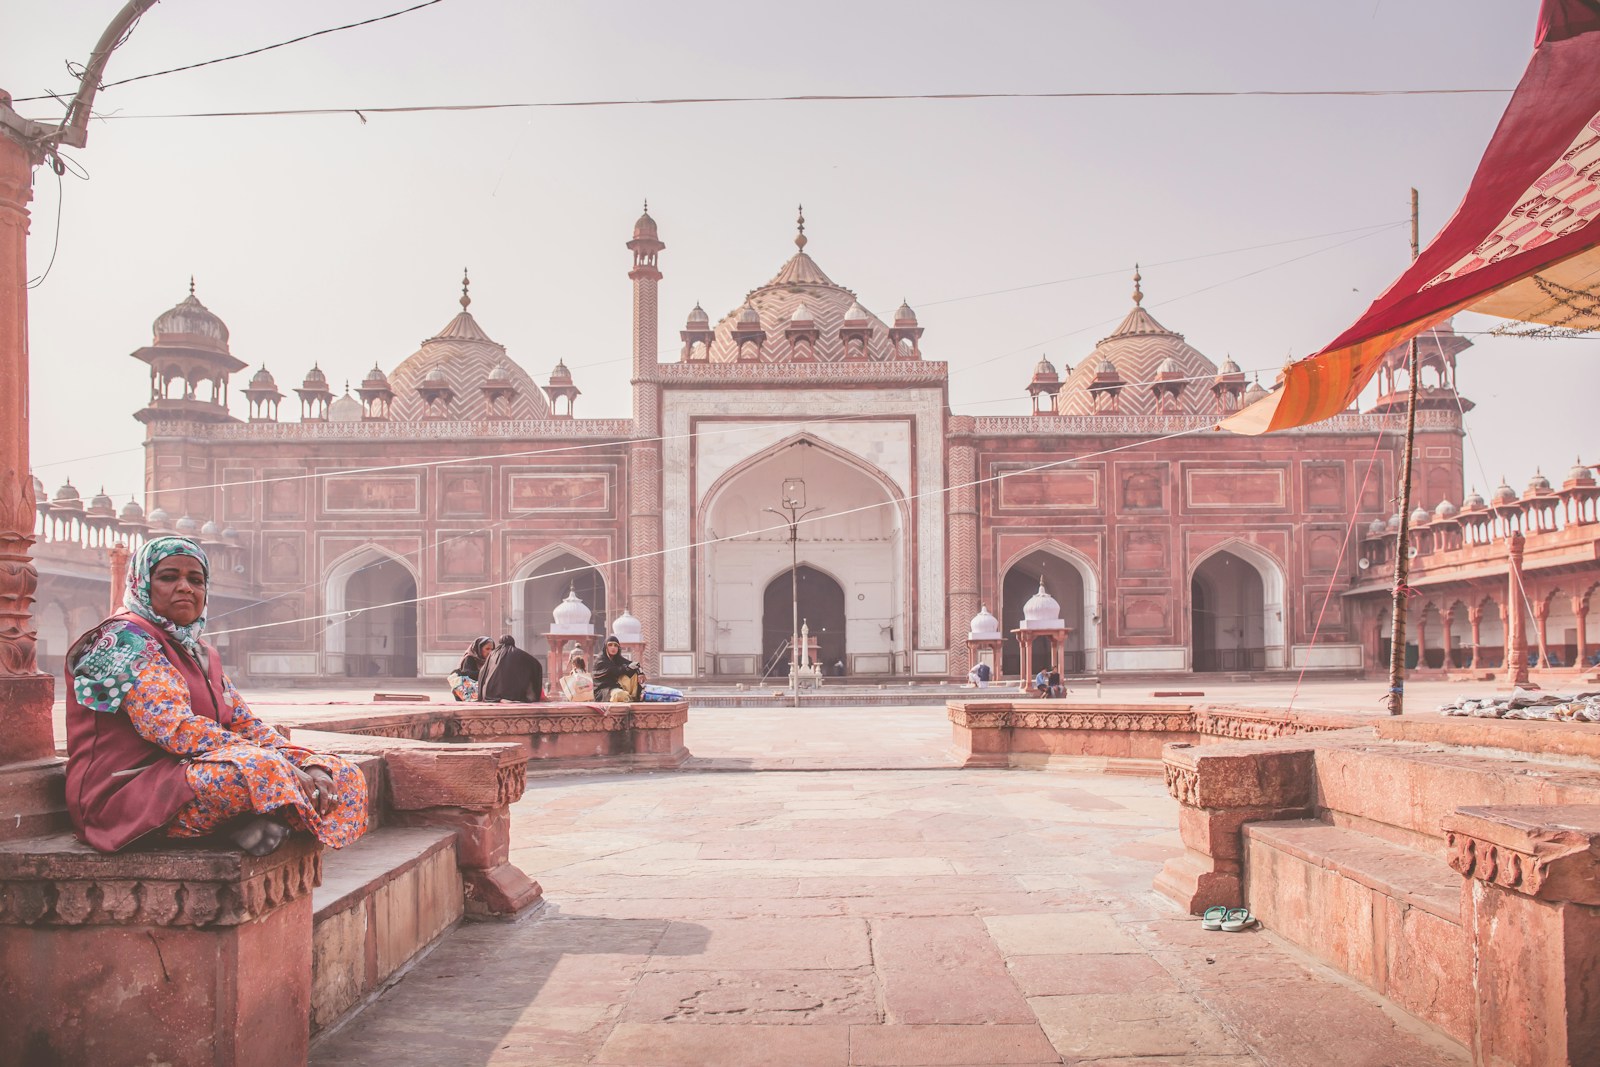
x=801, y=901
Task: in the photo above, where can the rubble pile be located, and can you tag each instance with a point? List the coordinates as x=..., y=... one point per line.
x=1529, y=704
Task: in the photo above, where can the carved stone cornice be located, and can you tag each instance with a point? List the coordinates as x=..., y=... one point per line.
x=58, y=881
x=1551, y=853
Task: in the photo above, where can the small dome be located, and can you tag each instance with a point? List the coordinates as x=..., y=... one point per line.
x=1228, y=367
x=1474, y=502
x=561, y=375
x=211, y=529
x=1042, y=611
x=748, y=315
x=1394, y=521
x=230, y=534
x=698, y=319
x=131, y=512
x=857, y=313
x=68, y=494
x=436, y=376
x=1253, y=392
x=102, y=502
x=1106, y=369
x=345, y=409
x=627, y=629
x=903, y=313
x=1376, y=528
x=500, y=373
x=262, y=379
x=375, y=379
x=191, y=322
x=188, y=525
x=1169, y=366
x=801, y=316
x=1445, y=510
x=1504, y=494
x=39, y=494
x=1538, y=483
x=984, y=626
x=571, y=616
x=159, y=517
x=1579, y=473
x=315, y=379
x=1420, y=517
x=1045, y=371
x=645, y=227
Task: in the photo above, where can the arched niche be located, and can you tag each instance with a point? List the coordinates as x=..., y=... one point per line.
x=857, y=539
x=543, y=580
x=1236, y=607
x=370, y=600
x=1073, y=581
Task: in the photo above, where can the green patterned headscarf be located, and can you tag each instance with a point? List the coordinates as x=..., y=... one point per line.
x=110, y=666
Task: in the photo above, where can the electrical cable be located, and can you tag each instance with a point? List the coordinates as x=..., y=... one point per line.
x=237, y=55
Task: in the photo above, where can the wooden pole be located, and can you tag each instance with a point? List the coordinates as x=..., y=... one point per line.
x=1396, y=699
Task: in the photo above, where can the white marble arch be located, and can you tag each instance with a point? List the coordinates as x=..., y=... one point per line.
x=1088, y=576
x=529, y=633
x=1272, y=594
x=858, y=540
x=335, y=585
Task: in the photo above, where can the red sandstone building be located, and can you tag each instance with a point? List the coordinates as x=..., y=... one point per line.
x=375, y=534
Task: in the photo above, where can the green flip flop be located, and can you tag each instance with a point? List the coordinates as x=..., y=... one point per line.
x=1238, y=920
x=1212, y=919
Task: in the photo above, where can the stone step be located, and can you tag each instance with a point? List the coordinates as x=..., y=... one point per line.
x=1386, y=915
x=383, y=902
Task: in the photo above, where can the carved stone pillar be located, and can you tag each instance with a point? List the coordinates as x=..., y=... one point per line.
x=1541, y=622
x=1516, y=622
x=963, y=597
x=25, y=694
x=1422, y=640
x=644, y=546
x=119, y=575
x=1475, y=619
x=1580, y=611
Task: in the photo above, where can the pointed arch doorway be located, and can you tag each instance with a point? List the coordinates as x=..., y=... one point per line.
x=821, y=612
x=1072, y=583
x=371, y=598
x=1236, y=611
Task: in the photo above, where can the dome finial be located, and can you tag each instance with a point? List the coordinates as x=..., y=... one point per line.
x=465, y=282
x=647, y=205
x=191, y=285
x=1138, y=293
x=800, y=238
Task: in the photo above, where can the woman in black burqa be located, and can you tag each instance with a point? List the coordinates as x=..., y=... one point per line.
x=616, y=677
x=511, y=674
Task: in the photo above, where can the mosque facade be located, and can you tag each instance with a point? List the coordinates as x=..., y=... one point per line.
x=375, y=533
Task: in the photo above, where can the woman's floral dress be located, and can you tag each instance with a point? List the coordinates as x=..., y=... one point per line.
x=239, y=769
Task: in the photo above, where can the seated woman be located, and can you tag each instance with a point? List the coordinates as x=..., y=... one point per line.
x=577, y=684
x=616, y=677
x=464, y=679
x=159, y=743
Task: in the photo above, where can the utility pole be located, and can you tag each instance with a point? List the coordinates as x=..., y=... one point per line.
x=1396, y=699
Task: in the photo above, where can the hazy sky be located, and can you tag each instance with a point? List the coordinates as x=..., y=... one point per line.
x=332, y=240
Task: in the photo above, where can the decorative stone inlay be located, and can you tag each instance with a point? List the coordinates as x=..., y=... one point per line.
x=1176, y=721
x=56, y=881
x=1242, y=727
x=1183, y=783
x=452, y=429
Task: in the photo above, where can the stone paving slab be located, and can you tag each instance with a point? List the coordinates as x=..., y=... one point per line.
x=977, y=917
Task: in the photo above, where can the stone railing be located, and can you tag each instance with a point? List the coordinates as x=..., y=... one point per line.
x=1154, y=425
x=422, y=429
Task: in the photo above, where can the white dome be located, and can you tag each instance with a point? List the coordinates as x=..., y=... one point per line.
x=159, y=517
x=211, y=529
x=1377, y=528
x=1420, y=516
x=1445, y=510
x=345, y=409
x=984, y=626
x=627, y=629
x=571, y=616
x=856, y=313
x=698, y=318
x=801, y=316
x=1042, y=611
x=188, y=525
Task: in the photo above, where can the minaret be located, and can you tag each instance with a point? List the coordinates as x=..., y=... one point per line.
x=646, y=335
x=644, y=453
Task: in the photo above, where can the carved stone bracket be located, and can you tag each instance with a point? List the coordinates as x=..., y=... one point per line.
x=1549, y=853
x=57, y=881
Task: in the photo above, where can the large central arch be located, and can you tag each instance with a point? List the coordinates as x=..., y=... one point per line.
x=1236, y=606
x=857, y=539
x=370, y=602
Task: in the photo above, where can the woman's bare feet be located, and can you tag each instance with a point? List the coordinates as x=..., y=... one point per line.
x=260, y=835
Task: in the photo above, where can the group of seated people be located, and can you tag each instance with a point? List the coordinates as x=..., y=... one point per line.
x=498, y=671
x=1047, y=683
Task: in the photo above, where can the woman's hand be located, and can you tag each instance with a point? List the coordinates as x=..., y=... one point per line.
x=317, y=785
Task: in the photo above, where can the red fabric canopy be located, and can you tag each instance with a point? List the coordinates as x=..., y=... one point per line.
x=1520, y=245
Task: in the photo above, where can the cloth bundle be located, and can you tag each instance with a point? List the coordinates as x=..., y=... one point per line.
x=660, y=693
x=1530, y=704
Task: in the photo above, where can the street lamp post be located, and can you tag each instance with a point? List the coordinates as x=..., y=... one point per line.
x=794, y=500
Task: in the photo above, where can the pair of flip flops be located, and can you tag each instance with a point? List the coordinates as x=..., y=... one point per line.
x=1232, y=920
